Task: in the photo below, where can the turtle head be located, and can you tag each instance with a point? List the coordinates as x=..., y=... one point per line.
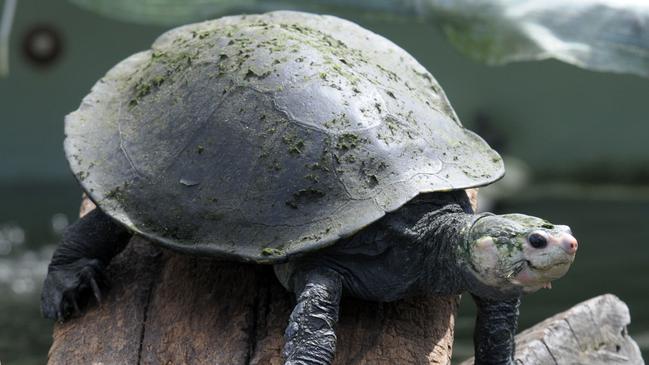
x=518, y=252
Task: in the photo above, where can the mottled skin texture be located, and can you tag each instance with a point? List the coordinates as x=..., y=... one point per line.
x=433, y=245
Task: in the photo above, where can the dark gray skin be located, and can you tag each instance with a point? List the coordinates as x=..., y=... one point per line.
x=433, y=245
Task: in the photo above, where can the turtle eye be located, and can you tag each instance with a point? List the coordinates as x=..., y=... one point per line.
x=537, y=240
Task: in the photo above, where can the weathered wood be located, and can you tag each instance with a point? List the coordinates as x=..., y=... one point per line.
x=166, y=308
x=593, y=332
x=113, y=331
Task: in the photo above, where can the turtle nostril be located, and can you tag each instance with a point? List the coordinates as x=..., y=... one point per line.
x=570, y=244
x=537, y=240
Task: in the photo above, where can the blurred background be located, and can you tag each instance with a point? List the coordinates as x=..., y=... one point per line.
x=575, y=142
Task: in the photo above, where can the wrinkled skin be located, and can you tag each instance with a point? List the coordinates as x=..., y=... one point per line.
x=433, y=245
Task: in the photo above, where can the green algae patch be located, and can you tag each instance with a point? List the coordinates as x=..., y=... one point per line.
x=347, y=141
x=271, y=251
x=294, y=143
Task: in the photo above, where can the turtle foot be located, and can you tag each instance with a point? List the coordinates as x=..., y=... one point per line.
x=69, y=288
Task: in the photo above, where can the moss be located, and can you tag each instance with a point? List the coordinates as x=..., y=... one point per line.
x=297, y=148
x=330, y=123
x=201, y=35
x=254, y=74
x=391, y=74
x=295, y=144
x=318, y=166
x=161, y=67
x=311, y=237
x=350, y=159
x=312, y=177
x=347, y=141
x=115, y=194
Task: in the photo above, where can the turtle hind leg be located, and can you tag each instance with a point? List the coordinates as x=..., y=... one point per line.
x=310, y=335
x=77, y=270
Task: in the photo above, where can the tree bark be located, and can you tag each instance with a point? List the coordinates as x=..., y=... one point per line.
x=166, y=308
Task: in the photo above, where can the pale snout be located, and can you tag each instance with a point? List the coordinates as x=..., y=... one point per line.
x=568, y=243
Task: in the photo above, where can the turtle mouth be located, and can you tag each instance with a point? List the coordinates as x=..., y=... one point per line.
x=546, y=267
x=533, y=267
x=532, y=277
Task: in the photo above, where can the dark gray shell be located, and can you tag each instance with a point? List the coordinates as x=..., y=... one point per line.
x=261, y=137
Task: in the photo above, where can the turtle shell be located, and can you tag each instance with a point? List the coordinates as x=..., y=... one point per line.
x=265, y=136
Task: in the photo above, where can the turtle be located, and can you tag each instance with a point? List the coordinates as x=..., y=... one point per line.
x=308, y=143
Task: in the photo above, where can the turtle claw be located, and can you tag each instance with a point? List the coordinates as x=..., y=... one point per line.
x=95, y=290
x=77, y=311
x=68, y=288
x=59, y=316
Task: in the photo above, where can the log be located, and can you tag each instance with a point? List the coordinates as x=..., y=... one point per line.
x=167, y=308
x=593, y=332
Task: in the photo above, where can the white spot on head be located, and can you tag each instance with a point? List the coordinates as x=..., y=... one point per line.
x=485, y=258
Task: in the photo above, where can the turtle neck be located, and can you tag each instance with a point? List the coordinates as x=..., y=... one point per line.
x=443, y=232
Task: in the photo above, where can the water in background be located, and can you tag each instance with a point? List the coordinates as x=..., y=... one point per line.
x=31, y=219
x=613, y=258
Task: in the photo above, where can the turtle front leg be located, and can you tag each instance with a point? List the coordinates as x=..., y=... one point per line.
x=495, y=328
x=310, y=335
x=77, y=269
